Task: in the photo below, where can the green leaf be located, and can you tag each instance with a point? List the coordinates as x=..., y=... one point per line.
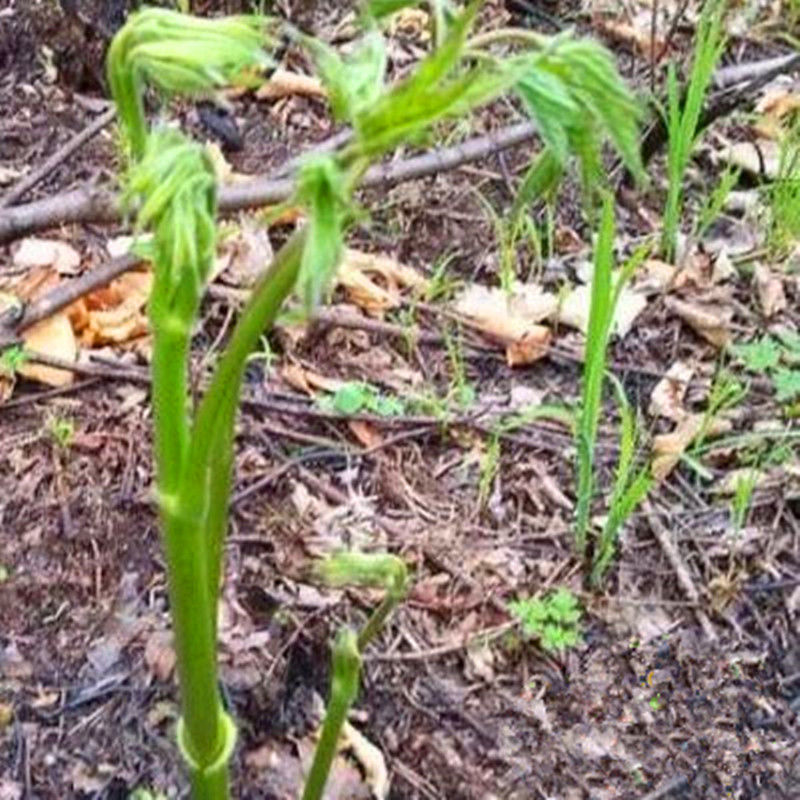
x=577, y=98
x=355, y=83
x=351, y=398
x=382, y=8
x=791, y=341
x=531, y=612
x=563, y=607
x=787, y=384
x=758, y=356
x=426, y=96
x=321, y=189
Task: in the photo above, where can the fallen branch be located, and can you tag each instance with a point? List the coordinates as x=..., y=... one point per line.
x=732, y=94
x=99, y=205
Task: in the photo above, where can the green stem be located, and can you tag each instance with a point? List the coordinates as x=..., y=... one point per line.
x=344, y=688
x=535, y=40
x=127, y=94
x=190, y=604
x=211, y=782
x=208, y=475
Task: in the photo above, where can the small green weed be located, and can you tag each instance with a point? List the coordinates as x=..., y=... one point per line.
x=742, y=495
x=61, y=430
x=554, y=619
x=783, y=196
x=356, y=397
x=12, y=359
x=712, y=208
x=461, y=392
x=683, y=118
x=775, y=359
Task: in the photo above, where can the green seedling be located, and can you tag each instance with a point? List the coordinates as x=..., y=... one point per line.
x=742, y=495
x=554, y=619
x=462, y=392
x=171, y=190
x=775, y=359
x=683, y=117
x=629, y=488
x=359, y=569
x=712, y=208
x=62, y=431
x=783, y=196
x=357, y=398
x=11, y=360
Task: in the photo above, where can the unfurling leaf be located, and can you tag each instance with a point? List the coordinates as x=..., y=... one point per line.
x=177, y=53
x=321, y=188
x=354, y=83
x=365, y=569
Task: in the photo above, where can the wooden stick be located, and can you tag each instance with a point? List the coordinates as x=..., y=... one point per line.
x=99, y=205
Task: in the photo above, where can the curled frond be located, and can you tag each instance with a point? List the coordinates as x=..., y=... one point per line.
x=365, y=569
x=176, y=180
x=178, y=53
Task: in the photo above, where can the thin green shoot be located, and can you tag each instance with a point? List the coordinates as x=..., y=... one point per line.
x=358, y=569
x=630, y=486
x=783, y=196
x=461, y=392
x=712, y=208
x=742, y=498
x=683, y=117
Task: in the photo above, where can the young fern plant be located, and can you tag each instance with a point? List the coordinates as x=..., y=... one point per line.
x=171, y=184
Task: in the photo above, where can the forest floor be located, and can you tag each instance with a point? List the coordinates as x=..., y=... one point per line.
x=686, y=683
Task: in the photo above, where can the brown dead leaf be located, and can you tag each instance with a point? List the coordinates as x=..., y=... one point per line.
x=712, y=323
x=366, y=433
x=283, y=83
x=376, y=775
x=510, y=318
x=655, y=276
x=502, y=315
x=250, y=254
x=635, y=36
x=777, y=107
x=306, y=380
x=669, y=447
x=159, y=655
x=769, y=287
x=51, y=337
x=574, y=311
x=667, y=397
x=760, y=158
x=35, y=252
x=411, y=23
x=358, y=272
x=531, y=347
x=114, y=314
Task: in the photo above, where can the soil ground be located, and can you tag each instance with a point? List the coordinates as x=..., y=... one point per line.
x=653, y=704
